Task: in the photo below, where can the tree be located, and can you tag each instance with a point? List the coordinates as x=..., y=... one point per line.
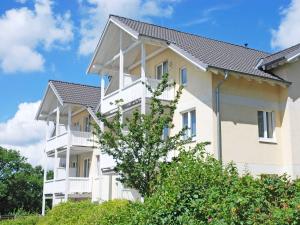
x=20, y=183
x=140, y=151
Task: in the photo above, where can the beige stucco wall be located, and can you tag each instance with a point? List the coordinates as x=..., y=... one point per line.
x=79, y=117
x=240, y=100
x=196, y=95
x=291, y=118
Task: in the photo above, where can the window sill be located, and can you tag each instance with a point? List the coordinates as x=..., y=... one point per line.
x=268, y=140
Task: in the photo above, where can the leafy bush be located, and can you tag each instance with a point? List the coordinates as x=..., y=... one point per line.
x=23, y=220
x=193, y=189
x=85, y=212
x=199, y=190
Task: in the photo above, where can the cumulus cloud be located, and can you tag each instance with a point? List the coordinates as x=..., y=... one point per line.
x=22, y=132
x=96, y=12
x=24, y=32
x=288, y=31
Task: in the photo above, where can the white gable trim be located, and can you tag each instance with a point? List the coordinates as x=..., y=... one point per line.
x=124, y=27
x=56, y=93
x=49, y=87
x=294, y=57
x=121, y=25
x=188, y=57
x=91, y=112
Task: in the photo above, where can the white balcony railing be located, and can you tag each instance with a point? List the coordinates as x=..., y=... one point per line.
x=132, y=91
x=76, y=185
x=78, y=138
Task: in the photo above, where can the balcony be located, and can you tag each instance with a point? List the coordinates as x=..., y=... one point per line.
x=132, y=91
x=78, y=138
x=76, y=185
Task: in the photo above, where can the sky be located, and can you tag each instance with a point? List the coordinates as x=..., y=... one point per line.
x=54, y=39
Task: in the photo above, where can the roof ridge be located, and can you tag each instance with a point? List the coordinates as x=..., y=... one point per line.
x=184, y=32
x=282, y=50
x=67, y=82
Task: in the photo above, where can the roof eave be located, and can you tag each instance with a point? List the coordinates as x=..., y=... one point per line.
x=188, y=56
x=285, y=82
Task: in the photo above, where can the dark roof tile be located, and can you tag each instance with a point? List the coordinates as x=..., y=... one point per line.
x=214, y=53
x=80, y=94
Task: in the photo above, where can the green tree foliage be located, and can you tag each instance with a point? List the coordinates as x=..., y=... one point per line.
x=197, y=189
x=141, y=150
x=20, y=183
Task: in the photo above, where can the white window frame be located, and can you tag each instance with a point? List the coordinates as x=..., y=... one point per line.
x=162, y=69
x=265, y=138
x=180, y=77
x=189, y=130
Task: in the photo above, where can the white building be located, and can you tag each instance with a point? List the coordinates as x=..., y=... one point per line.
x=244, y=101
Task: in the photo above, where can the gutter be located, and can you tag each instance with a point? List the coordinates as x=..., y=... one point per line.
x=218, y=112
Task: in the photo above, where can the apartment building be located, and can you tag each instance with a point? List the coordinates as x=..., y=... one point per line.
x=244, y=101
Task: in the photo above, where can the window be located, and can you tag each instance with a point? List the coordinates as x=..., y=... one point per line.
x=161, y=69
x=74, y=164
x=87, y=124
x=183, y=76
x=76, y=126
x=189, y=121
x=165, y=134
x=265, y=124
x=86, y=167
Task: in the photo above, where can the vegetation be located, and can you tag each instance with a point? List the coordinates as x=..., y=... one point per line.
x=22, y=220
x=140, y=151
x=20, y=184
x=194, y=189
x=86, y=213
x=197, y=189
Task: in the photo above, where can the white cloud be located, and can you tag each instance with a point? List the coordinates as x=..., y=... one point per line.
x=288, y=32
x=96, y=12
x=24, y=32
x=207, y=15
x=22, y=132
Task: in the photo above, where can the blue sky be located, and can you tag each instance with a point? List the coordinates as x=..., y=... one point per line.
x=51, y=39
x=233, y=21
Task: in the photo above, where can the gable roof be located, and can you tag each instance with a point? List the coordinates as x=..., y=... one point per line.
x=209, y=52
x=80, y=94
x=281, y=56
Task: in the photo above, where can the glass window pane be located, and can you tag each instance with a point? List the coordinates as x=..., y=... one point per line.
x=165, y=67
x=165, y=132
x=270, y=124
x=183, y=76
x=185, y=123
x=193, y=123
x=159, y=72
x=260, y=116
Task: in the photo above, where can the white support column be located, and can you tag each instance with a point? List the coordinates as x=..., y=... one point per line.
x=101, y=99
x=68, y=152
x=57, y=132
x=143, y=78
x=45, y=170
x=121, y=69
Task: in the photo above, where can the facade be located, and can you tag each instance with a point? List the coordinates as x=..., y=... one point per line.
x=244, y=101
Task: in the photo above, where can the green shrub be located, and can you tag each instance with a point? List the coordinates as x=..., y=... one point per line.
x=23, y=220
x=85, y=213
x=198, y=190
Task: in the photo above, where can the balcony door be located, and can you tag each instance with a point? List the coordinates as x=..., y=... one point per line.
x=86, y=167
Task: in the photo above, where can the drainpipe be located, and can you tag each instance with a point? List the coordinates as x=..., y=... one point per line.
x=218, y=111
